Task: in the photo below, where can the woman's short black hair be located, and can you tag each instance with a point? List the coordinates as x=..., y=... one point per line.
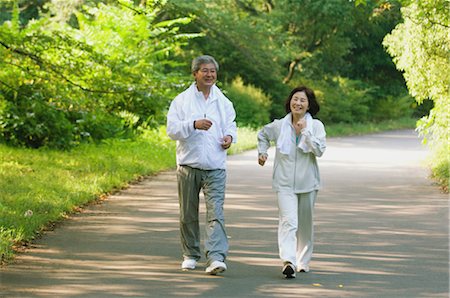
x=314, y=107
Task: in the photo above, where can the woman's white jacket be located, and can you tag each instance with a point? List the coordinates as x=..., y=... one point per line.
x=296, y=171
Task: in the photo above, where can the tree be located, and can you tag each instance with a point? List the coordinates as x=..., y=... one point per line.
x=95, y=68
x=312, y=35
x=420, y=48
x=367, y=59
x=235, y=32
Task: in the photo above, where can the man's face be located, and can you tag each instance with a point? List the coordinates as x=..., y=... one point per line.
x=206, y=76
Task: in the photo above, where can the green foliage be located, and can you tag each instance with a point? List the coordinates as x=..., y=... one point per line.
x=95, y=126
x=367, y=60
x=238, y=35
x=391, y=107
x=440, y=164
x=246, y=140
x=296, y=39
x=420, y=48
x=343, y=101
x=351, y=101
x=112, y=59
x=31, y=121
x=351, y=129
x=251, y=104
x=312, y=35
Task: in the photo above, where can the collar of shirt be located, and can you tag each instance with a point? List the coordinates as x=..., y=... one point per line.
x=199, y=94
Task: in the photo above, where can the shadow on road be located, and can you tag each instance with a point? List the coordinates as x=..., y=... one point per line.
x=381, y=231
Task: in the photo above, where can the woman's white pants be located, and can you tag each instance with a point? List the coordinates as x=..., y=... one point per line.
x=295, y=229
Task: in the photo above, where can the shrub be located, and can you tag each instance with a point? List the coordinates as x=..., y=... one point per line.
x=344, y=100
x=341, y=100
x=391, y=107
x=33, y=122
x=251, y=104
x=98, y=125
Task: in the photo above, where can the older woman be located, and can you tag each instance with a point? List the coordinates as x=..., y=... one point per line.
x=299, y=140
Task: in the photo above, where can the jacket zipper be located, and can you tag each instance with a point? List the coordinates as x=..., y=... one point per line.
x=295, y=165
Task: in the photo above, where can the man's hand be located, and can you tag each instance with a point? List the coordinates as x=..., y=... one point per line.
x=226, y=143
x=203, y=124
x=262, y=159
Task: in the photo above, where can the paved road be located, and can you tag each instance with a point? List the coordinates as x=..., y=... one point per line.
x=382, y=230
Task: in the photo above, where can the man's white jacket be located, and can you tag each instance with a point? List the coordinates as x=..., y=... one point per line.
x=199, y=148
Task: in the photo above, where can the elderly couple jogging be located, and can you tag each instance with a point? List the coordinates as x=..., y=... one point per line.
x=202, y=121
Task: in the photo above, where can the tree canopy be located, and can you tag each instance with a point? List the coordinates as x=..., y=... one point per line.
x=103, y=68
x=420, y=47
x=93, y=69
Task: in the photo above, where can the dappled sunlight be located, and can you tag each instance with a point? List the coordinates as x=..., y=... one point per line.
x=245, y=207
x=253, y=225
x=380, y=231
x=290, y=290
x=247, y=252
x=377, y=255
x=241, y=196
x=256, y=261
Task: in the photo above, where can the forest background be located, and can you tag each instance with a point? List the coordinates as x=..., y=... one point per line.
x=85, y=84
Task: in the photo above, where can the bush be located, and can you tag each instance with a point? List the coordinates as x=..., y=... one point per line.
x=65, y=81
x=30, y=119
x=251, y=104
x=98, y=125
x=390, y=107
x=349, y=101
x=33, y=122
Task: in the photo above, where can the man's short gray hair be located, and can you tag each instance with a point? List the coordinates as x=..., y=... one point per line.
x=204, y=59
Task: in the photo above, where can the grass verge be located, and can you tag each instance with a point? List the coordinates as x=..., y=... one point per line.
x=38, y=187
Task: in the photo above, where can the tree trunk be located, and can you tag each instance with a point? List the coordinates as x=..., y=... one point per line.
x=290, y=74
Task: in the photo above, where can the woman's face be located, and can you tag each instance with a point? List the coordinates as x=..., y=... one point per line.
x=299, y=104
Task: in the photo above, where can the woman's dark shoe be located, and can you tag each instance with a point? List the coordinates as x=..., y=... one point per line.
x=289, y=270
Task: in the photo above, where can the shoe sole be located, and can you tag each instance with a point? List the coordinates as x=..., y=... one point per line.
x=188, y=269
x=216, y=271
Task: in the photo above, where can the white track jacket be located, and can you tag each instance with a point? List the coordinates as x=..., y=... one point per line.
x=199, y=148
x=296, y=171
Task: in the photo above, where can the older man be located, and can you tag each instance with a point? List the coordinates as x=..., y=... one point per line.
x=202, y=121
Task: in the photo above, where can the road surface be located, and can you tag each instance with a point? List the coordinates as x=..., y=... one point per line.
x=381, y=228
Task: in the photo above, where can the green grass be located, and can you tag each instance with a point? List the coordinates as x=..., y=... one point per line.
x=246, y=140
x=52, y=184
x=39, y=187
x=440, y=164
x=346, y=129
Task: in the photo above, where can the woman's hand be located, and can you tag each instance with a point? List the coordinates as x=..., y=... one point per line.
x=301, y=124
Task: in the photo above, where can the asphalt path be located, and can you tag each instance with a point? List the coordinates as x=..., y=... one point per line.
x=381, y=230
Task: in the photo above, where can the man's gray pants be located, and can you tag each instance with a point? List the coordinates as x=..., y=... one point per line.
x=212, y=182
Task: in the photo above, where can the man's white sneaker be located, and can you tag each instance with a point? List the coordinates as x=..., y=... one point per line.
x=216, y=267
x=188, y=264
